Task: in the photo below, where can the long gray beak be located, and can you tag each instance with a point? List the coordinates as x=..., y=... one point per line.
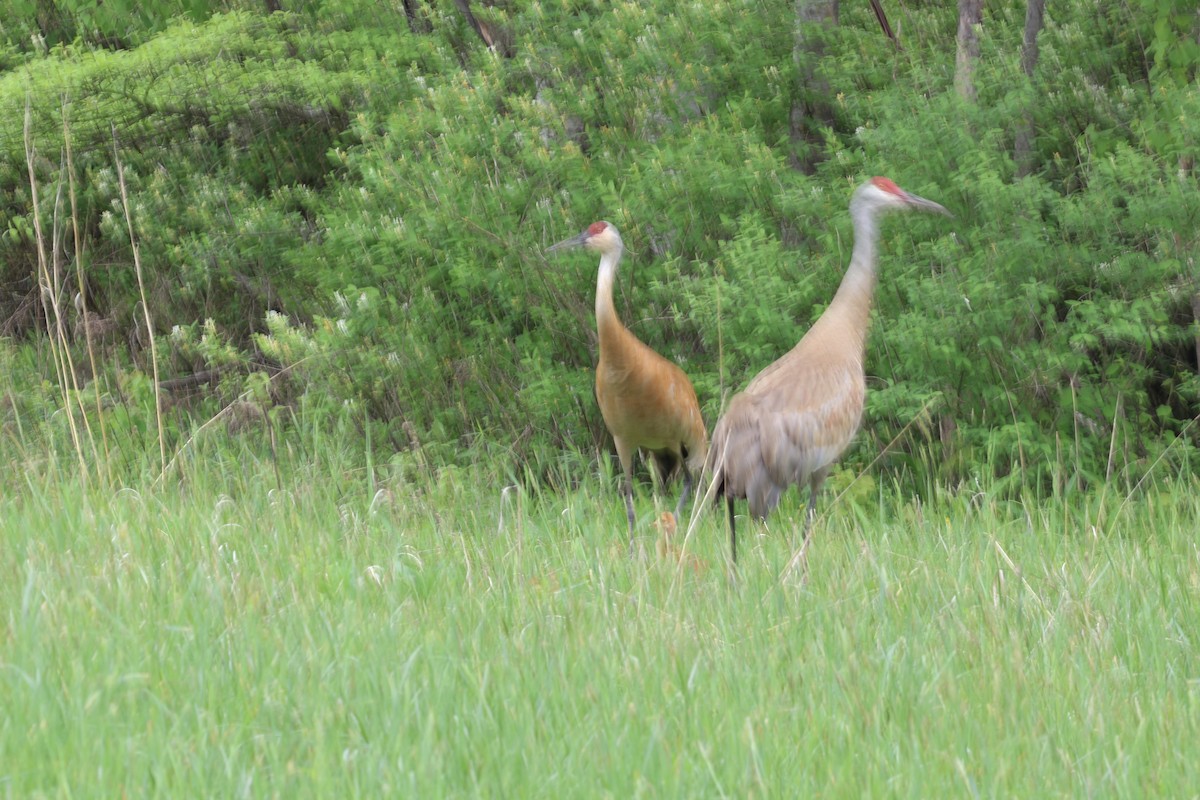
x=574, y=241
x=920, y=203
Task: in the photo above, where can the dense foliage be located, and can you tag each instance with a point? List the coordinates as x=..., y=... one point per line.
x=352, y=200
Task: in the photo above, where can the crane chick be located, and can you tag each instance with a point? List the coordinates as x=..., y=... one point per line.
x=647, y=402
x=793, y=421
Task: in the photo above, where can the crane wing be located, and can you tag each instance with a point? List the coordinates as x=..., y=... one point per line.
x=650, y=401
x=794, y=419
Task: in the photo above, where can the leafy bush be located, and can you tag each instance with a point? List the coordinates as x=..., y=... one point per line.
x=384, y=185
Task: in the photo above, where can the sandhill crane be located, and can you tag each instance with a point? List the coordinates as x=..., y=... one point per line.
x=646, y=401
x=90, y=325
x=792, y=422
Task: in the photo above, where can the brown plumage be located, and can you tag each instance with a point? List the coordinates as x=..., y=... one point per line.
x=793, y=421
x=647, y=402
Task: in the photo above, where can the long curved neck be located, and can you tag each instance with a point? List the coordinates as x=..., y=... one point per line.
x=606, y=313
x=852, y=303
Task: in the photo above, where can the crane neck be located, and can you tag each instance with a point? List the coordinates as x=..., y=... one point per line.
x=852, y=303
x=866, y=237
x=606, y=312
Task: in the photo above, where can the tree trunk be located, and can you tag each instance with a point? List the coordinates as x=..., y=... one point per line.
x=417, y=22
x=811, y=106
x=970, y=17
x=1187, y=161
x=880, y=15
x=1023, y=146
x=1196, y=319
x=494, y=36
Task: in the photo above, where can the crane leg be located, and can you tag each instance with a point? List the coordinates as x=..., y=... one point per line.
x=629, y=509
x=732, y=529
x=687, y=489
x=625, y=453
x=801, y=557
x=810, y=513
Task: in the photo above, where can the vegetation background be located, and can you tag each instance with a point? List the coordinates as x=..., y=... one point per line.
x=273, y=288
x=340, y=210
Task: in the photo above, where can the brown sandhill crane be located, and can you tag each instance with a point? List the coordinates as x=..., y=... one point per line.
x=646, y=401
x=792, y=422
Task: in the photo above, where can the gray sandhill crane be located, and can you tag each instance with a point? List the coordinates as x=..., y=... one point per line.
x=792, y=422
x=90, y=325
x=646, y=401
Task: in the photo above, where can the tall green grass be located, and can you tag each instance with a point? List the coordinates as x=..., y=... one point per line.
x=254, y=631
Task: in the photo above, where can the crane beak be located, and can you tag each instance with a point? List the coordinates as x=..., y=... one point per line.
x=921, y=204
x=574, y=241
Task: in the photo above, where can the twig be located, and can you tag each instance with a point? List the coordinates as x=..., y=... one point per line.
x=82, y=288
x=137, y=266
x=1150, y=469
x=188, y=381
x=47, y=286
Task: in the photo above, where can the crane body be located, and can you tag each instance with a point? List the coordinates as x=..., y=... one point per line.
x=794, y=420
x=647, y=402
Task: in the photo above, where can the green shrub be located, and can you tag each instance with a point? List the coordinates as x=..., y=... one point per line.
x=385, y=186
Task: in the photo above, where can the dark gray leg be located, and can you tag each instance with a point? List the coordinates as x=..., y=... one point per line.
x=687, y=489
x=814, y=484
x=732, y=529
x=629, y=510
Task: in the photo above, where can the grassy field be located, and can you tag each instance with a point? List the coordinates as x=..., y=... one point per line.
x=246, y=633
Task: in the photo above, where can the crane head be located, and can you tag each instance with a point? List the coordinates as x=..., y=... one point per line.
x=882, y=194
x=600, y=236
